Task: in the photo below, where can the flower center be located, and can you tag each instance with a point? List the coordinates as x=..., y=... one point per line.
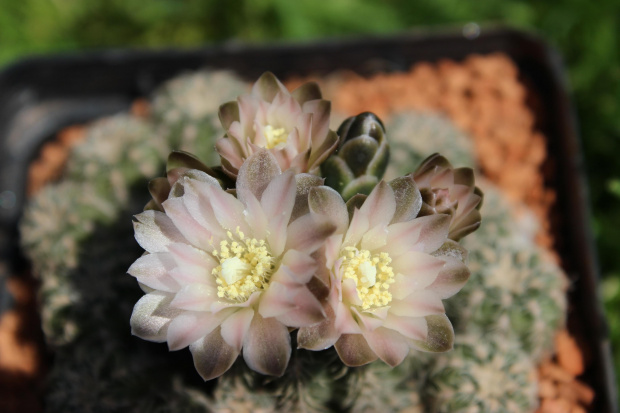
x=275, y=136
x=245, y=266
x=372, y=274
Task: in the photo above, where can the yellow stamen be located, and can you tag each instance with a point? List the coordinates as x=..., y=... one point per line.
x=372, y=275
x=275, y=137
x=245, y=266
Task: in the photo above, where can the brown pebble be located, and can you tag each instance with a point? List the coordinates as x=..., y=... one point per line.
x=568, y=353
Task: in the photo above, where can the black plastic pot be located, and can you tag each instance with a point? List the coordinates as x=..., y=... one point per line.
x=40, y=96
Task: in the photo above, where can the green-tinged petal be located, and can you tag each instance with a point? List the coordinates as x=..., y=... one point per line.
x=256, y=172
x=229, y=113
x=267, y=87
x=307, y=91
x=452, y=249
x=408, y=199
x=355, y=202
x=181, y=159
x=304, y=182
x=326, y=201
x=212, y=355
x=267, y=346
x=159, y=189
x=440, y=335
x=354, y=351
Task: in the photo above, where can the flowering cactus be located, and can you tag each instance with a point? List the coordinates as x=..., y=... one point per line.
x=388, y=272
x=228, y=273
x=361, y=159
x=294, y=127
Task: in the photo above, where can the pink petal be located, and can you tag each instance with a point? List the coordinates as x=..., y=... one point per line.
x=301, y=268
x=323, y=200
x=152, y=270
x=367, y=320
x=154, y=231
x=307, y=310
x=308, y=233
x=354, y=351
x=375, y=238
x=279, y=196
x=235, y=327
x=257, y=172
x=188, y=327
x=319, y=336
x=415, y=271
x=388, y=345
x=349, y=292
x=151, y=316
x=191, y=229
x=418, y=304
x=380, y=205
x=411, y=327
x=195, y=297
x=357, y=228
x=267, y=346
x=425, y=234
x=212, y=355
x=320, y=110
x=344, y=322
x=227, y=209
x=451, y=279
x=305, y=182
x=229, y=151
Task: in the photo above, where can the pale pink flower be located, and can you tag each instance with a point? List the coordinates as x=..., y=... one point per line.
x=388, y=271
x=446, y=190
x=225, y=273
x=294, y=127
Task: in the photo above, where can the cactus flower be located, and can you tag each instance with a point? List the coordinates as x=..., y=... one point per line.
x=294, y=126
x=446, y=190
x=388, y=271
x=224, y=274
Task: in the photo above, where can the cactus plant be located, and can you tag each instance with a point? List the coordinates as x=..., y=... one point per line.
x=87, y=298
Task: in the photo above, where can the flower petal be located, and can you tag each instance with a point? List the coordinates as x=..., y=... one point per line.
x=228, y=211
x=307, y=91
x=195, y=297
x=325, y=201
x=411, y=327
x=267, y=86
x=408, y=199
x=151, y=316
x=212, y=355
x=424, y=234
x=451, y=279
x=319, y=336
x=235, y=327
x=191, y=229
x=228, y=113
x=308, y=233
x=279, y=196
x=154, y=231
x=152, y=270
x=388, y=345
x=380, y=205
x=418, y=304
x=267, y=346
x=256, y=173
x=440, y=336
x=305, y=182
x=188, y=327
x=354, y=351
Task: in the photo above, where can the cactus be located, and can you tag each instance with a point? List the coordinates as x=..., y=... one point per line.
x=185, y=111
x=482, y=375
x=515, y=288
x=415, y=135
x=78, y=237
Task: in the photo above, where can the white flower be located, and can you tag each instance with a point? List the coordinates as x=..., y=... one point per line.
x=388, y=271
x=294, y=126
x=225, y=273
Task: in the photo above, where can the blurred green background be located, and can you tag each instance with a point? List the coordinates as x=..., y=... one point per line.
x=586, y=33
